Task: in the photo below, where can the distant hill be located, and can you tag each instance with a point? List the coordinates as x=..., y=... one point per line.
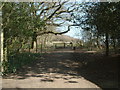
x=56, y=38
x=63, y=38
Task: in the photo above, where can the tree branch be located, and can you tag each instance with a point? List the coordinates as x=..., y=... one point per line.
x=57, y=33
x=60, y=5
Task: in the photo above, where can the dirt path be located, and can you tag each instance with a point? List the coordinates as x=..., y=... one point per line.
x=58, y=69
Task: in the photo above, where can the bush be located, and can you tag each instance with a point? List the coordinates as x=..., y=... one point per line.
x=17, y=61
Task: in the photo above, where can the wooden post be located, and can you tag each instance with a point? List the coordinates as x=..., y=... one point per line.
x=71, y=45
x=55, y=46
x=64, y=45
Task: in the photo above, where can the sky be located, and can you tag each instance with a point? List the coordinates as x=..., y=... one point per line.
x=74, y=32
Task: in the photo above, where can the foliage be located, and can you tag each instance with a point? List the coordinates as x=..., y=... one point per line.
x=102, y=20
x=24, y=22
x=104, y=17
x=17, y=61
x=17, y=24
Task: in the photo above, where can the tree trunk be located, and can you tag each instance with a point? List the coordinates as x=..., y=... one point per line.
x=1, y=43
x=36, y=46
x=32, y=44
x=44, y=43
x=98, y=44
x=41, y=47
x=29, y=48
x=34, y=38
x=107, y=43
x=1, y=48
x=114, y=44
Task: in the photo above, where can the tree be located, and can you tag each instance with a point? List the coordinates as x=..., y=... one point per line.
x=24, y=20
x=102, y=19
x=1, y=42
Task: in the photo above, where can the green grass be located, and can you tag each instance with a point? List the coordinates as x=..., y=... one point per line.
x=16, y=61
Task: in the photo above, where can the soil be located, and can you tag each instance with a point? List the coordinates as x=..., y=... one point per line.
x=65, y=68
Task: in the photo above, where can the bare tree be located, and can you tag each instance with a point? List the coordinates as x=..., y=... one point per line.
x=50, y=13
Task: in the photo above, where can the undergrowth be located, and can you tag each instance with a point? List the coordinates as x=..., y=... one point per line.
x=17, y=61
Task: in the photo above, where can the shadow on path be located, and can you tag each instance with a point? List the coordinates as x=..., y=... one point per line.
x=103, y=71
